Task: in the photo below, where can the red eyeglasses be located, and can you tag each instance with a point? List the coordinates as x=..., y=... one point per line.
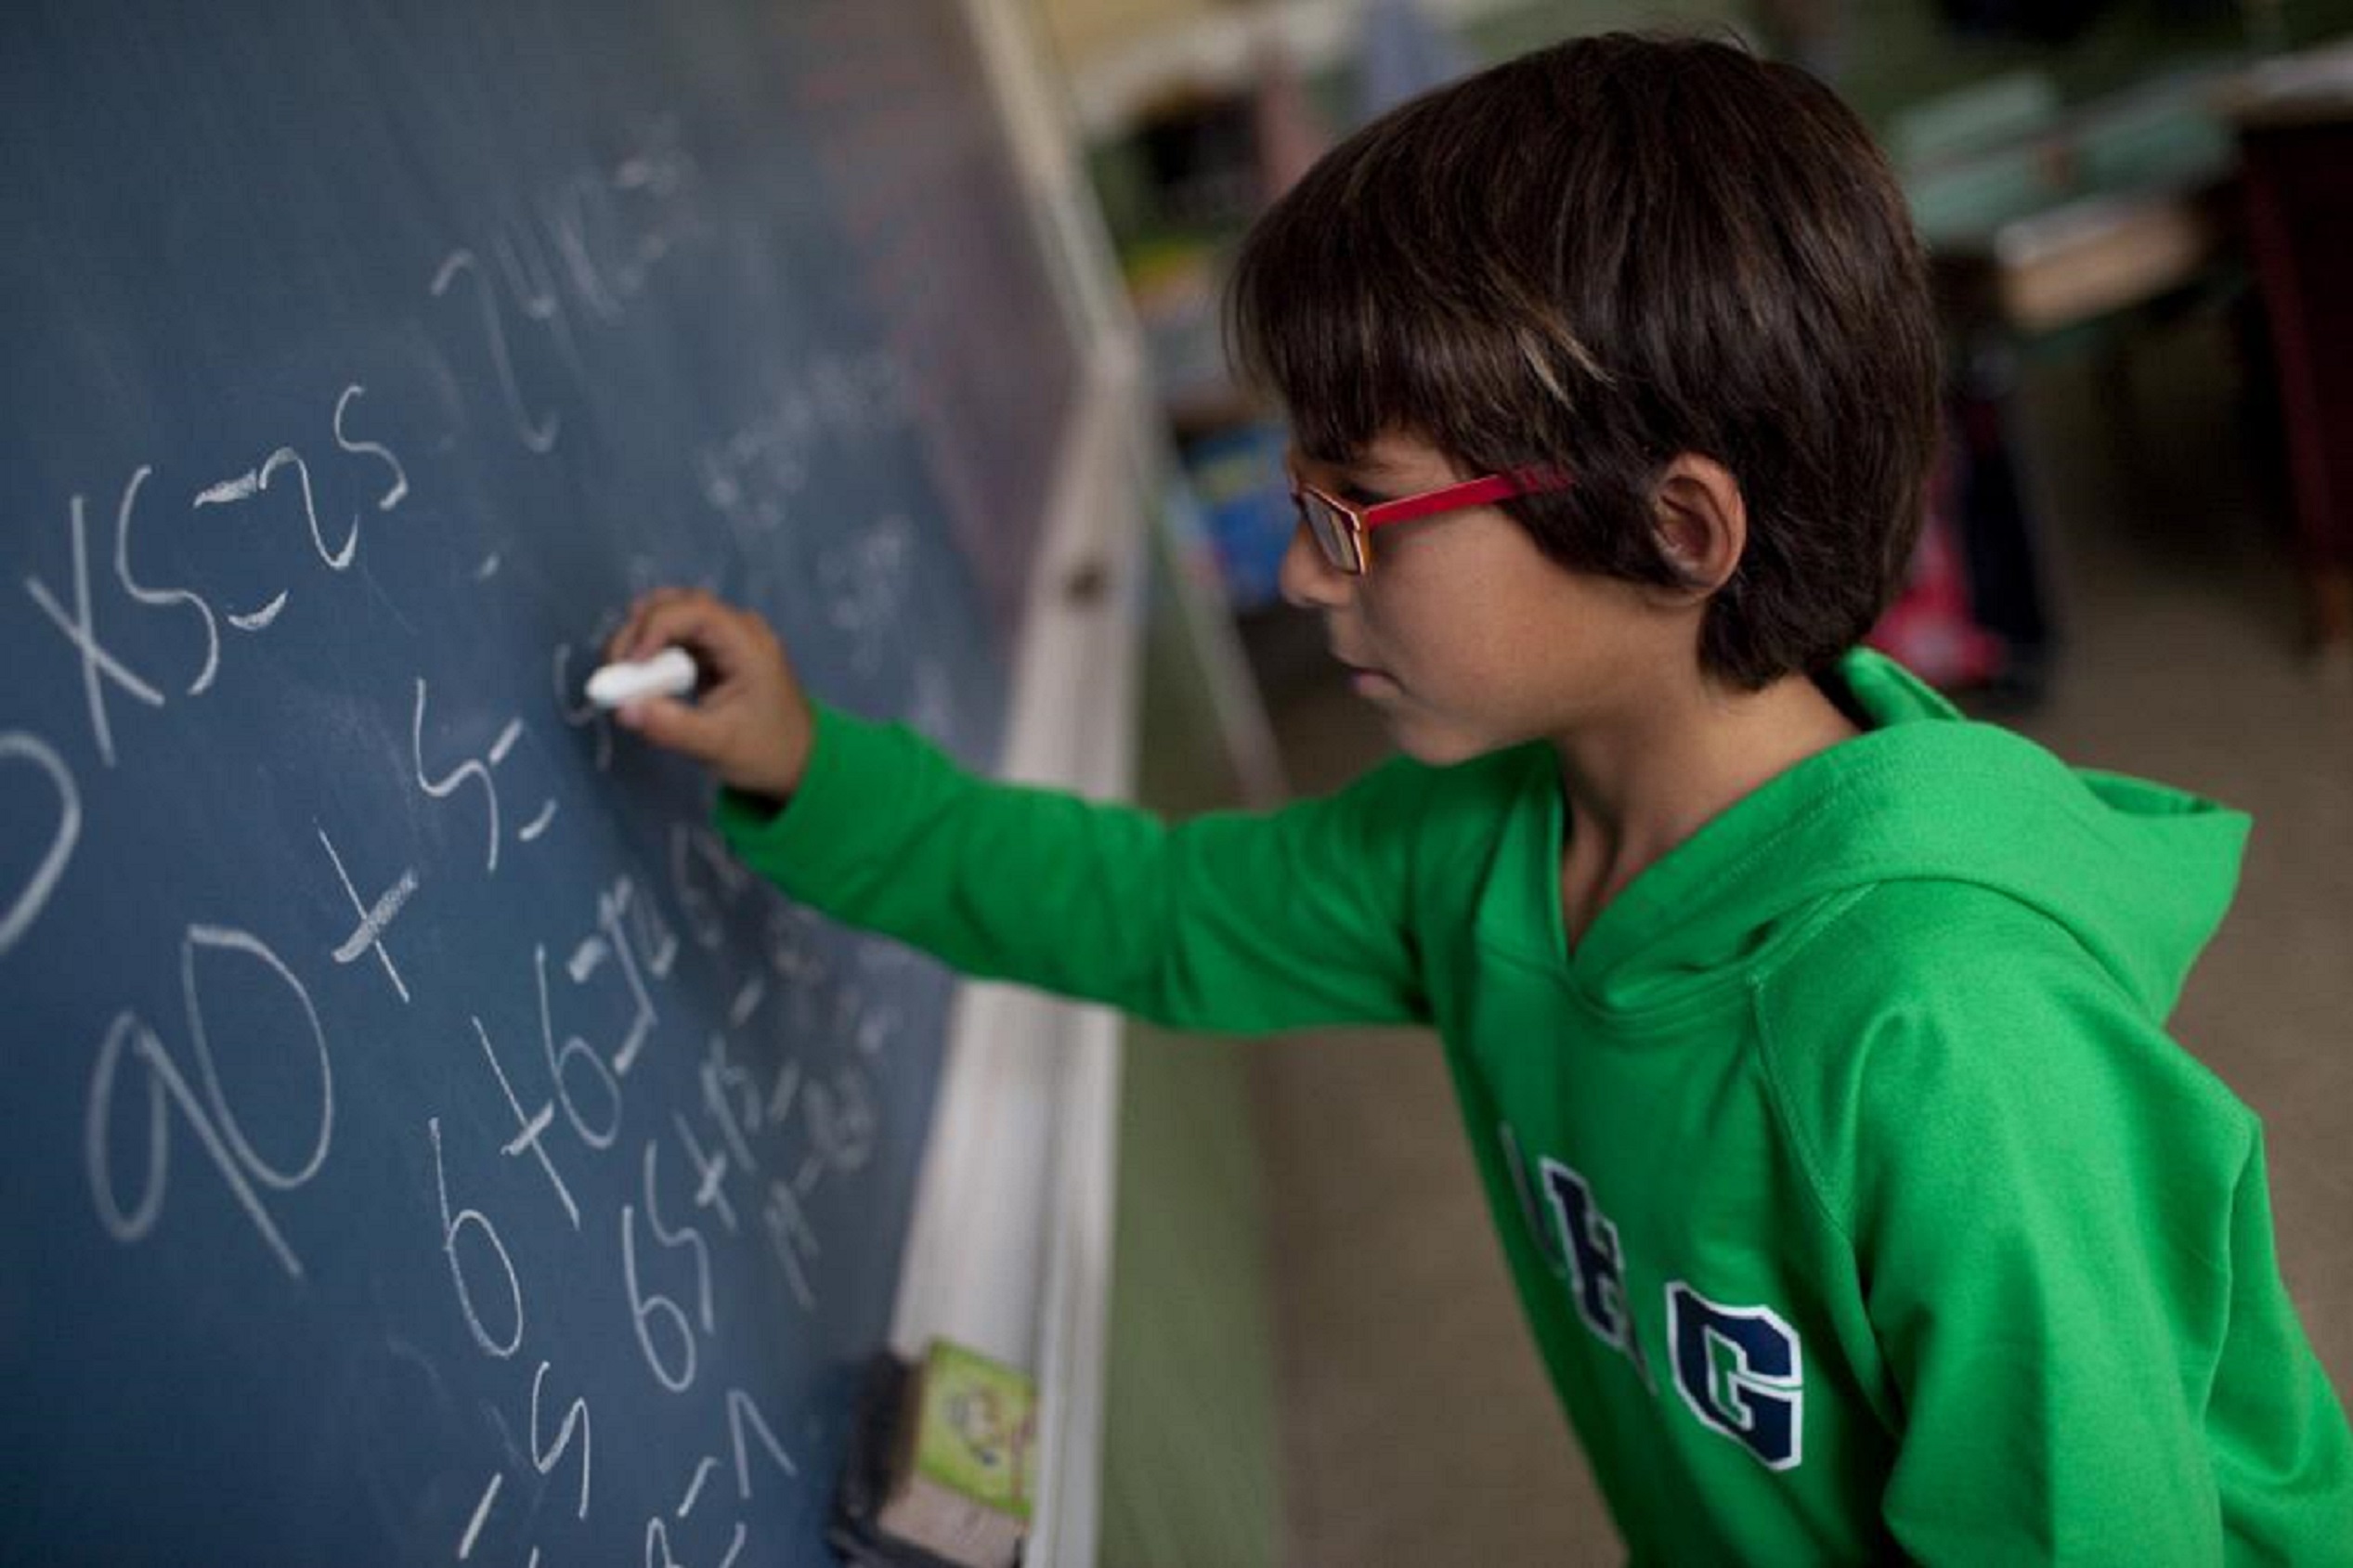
x=1340, y=529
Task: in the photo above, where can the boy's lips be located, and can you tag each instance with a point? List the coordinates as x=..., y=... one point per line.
x=1365, y=680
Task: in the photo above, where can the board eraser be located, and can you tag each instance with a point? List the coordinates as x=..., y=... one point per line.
x=670, y=673
x=942, y=1466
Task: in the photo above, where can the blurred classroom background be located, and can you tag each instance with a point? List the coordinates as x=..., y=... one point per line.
x=2141, y=552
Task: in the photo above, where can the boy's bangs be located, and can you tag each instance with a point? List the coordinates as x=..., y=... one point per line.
x=1378, y=295
x=1353, y=332
x=1305, y=333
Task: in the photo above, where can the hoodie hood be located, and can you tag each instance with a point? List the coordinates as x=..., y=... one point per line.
x=2138, y=873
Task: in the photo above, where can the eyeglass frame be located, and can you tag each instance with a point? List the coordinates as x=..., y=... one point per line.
x=1534, y=479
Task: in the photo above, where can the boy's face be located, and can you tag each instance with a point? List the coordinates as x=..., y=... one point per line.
x=1464, y=635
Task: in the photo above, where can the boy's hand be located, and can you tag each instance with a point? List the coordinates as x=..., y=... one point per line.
x=751, y=723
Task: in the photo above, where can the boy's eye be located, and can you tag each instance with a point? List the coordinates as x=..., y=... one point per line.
x=1357, y=494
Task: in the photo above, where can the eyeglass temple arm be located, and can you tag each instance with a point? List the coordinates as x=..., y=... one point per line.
x=1536, y=479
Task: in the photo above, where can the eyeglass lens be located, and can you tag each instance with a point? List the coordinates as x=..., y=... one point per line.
x=1334, y=533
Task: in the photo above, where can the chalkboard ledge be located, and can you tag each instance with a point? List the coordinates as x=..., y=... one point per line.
x=1009, y=1249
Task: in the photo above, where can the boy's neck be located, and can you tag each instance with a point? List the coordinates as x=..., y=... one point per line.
x=1635, y=788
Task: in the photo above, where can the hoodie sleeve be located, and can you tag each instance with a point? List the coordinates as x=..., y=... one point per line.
x=2065, y=1241
x=1235, y=922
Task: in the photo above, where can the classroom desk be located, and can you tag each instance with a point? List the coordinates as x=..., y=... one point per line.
x=2080, y=214
x=2062, y=230
x=2295, y=133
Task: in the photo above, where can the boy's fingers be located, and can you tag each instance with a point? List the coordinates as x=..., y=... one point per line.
x=626, y=640
x=624, y=643
x=625, y=635
x=674, y=726
x=694, y=620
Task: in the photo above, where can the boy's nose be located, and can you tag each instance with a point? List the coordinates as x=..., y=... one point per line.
x=1307, y=580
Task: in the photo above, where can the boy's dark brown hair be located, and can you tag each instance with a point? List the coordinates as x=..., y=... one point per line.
x=1604, y=254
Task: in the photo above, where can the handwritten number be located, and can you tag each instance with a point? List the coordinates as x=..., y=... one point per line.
x=162, y=597
x=451, y=1227
x=128, y=1032
x=684, y=1236
x=537, y=435
x=575, y=1420
x=286, y=457
x=399, y=485
x=742, y=1412
x=215, y=938
x=447, y=784
x=576, y=1053
x=645, y=1307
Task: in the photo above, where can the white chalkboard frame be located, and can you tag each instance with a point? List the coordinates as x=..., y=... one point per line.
x=1009, y=1249
x=1010, y=1246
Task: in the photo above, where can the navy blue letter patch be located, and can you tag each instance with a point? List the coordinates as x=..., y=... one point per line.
x=1738, y=1370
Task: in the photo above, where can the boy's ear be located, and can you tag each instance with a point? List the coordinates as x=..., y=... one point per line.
x=1702, y=520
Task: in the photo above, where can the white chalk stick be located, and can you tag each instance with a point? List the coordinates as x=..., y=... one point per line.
x=670, y=673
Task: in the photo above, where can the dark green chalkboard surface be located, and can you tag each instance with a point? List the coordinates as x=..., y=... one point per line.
x=423, y=1144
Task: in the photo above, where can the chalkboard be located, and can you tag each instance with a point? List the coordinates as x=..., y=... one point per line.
x=423, y=1143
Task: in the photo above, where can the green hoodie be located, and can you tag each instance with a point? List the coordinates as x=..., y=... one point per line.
x=1858, y=1200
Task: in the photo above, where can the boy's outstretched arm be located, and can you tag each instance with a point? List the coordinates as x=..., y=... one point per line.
x=1235, y=922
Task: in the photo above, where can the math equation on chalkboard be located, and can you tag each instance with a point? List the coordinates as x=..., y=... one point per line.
x=428, y=1143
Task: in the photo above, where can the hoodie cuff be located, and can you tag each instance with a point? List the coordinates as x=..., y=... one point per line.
x=807, y=841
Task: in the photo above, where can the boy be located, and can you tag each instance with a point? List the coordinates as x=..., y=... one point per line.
x=1809, y=1038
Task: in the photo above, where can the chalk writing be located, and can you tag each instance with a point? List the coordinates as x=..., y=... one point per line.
x=79, y=624
x=379, y=483
x=162, y=598
x=536, y=432
x=369, y=935
x=531, y=1128
x=476, y=771
x=213, y=1120
x=481, y=1512
x=25, y=906
x=575, y=1058
x=576, y=1422
x=452, y=1228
